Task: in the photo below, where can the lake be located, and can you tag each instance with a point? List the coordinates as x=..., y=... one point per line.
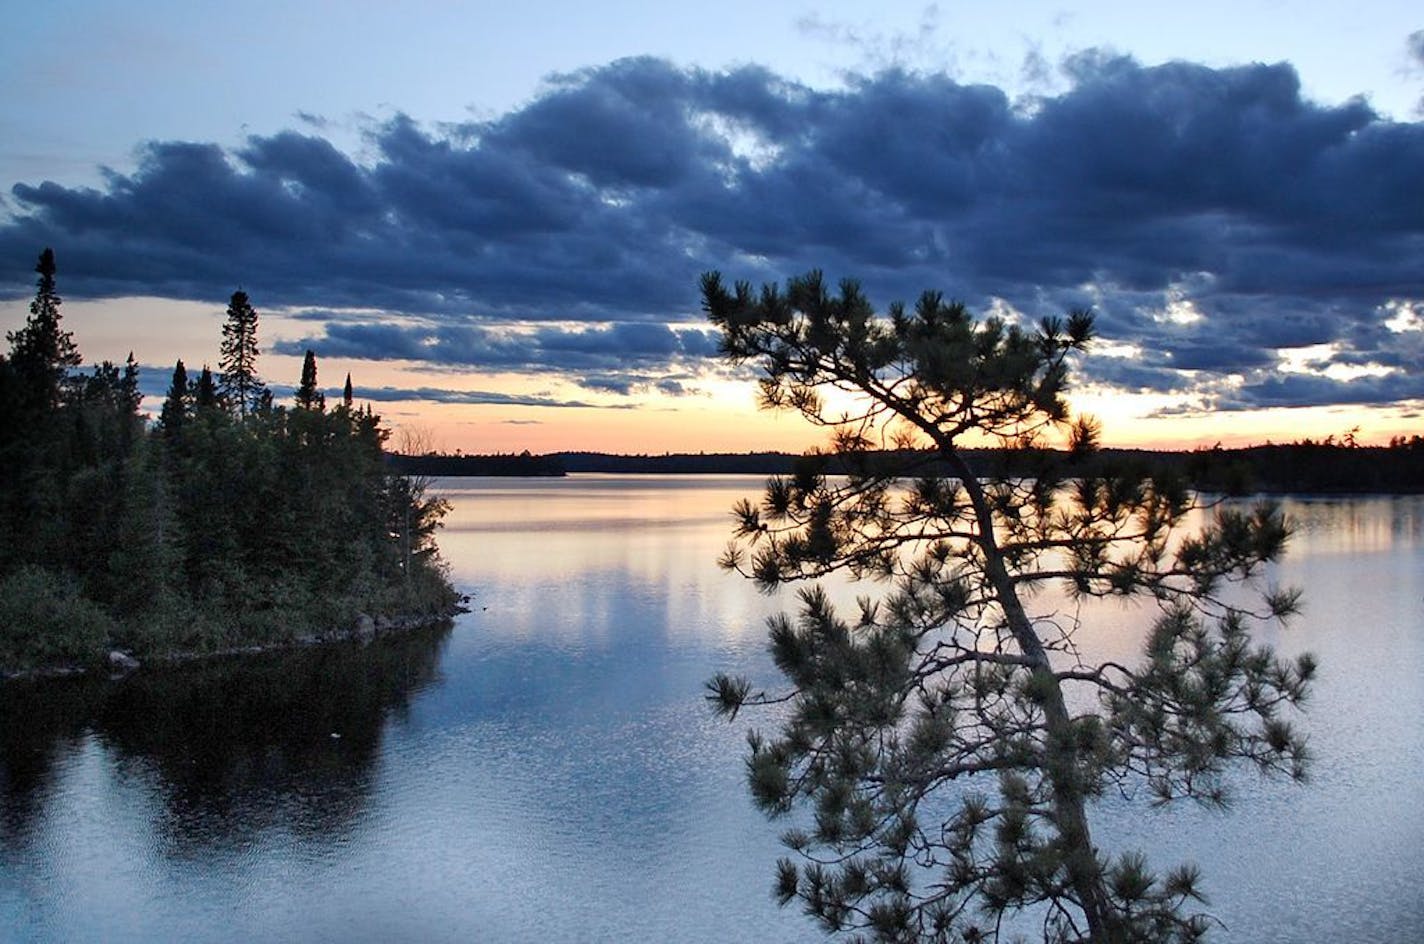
x=546, y=770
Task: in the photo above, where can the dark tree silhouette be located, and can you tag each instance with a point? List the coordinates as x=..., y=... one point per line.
x=232, y=525
x=237, y=359
x=309, y=396
x=42, y=353
x=205, y=391
x=947, y=741
x=177, y=404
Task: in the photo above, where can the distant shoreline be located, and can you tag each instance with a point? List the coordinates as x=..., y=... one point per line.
x=1307, y=467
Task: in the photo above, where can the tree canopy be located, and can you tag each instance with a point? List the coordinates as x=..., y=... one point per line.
x=938, y=750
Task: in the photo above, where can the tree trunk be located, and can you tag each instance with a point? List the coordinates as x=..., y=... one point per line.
x=1060, y=762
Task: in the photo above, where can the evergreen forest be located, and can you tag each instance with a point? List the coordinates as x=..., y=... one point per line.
x=232, y=522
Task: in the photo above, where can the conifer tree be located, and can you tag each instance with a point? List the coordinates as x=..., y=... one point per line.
x=946, y=740
x=237, y=359
x=309, y=396
x=132, y=397
x=177, y=404
x=42, y=352
x=39, y=437
x=346, y=393
x=205, y=391
x=143, y=569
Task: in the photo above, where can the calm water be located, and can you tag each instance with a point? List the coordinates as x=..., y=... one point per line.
x=545, y=769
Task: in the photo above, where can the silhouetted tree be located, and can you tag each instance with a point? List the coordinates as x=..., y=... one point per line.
x=176, y=405
x=946, y=741
x=205, y=391
x=131, y=398
x=309, y=396
x=346, y=395
x=42, y=353
x=237, y=360
x=40, y=441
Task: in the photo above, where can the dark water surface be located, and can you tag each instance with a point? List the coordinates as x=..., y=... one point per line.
x=545, y=769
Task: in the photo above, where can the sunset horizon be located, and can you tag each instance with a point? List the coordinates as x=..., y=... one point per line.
x=517, y=269
x=637, y=472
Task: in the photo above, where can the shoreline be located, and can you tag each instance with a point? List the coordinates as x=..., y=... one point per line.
x=116, y=664
x=1325, y=468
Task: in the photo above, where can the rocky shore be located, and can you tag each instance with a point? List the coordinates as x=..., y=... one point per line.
x=117, y=663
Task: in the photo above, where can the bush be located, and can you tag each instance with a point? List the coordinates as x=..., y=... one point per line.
x=45, y=622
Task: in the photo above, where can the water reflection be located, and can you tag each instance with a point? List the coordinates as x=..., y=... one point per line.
x=547, y=771
x=1358, y=525
x=226, y=750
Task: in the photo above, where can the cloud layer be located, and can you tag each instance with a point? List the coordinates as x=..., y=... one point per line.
x=1211, y=216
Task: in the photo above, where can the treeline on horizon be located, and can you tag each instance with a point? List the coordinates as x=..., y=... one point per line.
x=1328, y=466
x=232, y=522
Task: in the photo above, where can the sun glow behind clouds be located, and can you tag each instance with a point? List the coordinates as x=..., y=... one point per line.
x=1320, y=360
x=549, y=249
x=1405, y=315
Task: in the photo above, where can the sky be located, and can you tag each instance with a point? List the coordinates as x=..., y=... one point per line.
x=494, y=216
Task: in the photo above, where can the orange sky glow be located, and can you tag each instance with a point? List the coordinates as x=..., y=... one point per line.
x=717, y=415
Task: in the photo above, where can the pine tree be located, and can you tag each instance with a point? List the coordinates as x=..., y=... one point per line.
x=177, y=405
x=143, y=569
x=131, y=398
x=346, y=394
x=42, y=352
x=309, y=396
x=205, y=392
x=237, y=360
x=947, y=741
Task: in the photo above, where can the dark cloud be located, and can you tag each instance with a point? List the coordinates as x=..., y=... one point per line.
x=1295, y=389
x=1280, y=222
x=154, y=382
x=621, y=346
x=478, y=397
x=625, y=384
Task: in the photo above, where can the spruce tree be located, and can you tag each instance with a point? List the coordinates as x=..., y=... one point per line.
x=177, y=404
x=946, y=740
x=143, y=570
x=131, y=398
x=42, y=352
x=346, y=394
x=205, y=392
x=237, y=359
x=309, y=396
x=41, y=441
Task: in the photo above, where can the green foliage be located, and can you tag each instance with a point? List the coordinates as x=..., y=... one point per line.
x=945, y=745
x=219, y=529
x=44, y=621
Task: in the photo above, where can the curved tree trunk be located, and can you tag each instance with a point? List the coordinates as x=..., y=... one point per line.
x=1060, y=762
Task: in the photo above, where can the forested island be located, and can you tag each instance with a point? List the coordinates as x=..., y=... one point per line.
x=233, y=523
x=1328, y=466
